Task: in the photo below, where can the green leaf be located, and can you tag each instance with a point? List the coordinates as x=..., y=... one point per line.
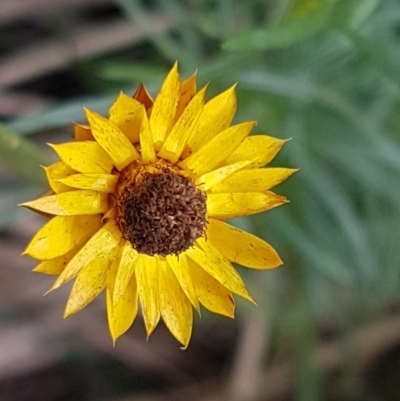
x=9, y=200
x=60, y=115
x=22, y=157
x=350, y=15
x=303, y=7
x=128, y=72
x=282, y=35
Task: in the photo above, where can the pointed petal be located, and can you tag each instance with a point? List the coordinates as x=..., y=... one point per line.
x=54, y=173
x=84, y=157
x=216, y=116
x=241, y=247
x=112, y=140
x=126, y=269
x=147, y=276
x=90, y=282
x=177, y=139
x=259, y=149
x=229, y=205
x=112, y=271
x=165, y=107
x=257, y=180
x=209, y=259
x=122, y=315
x=143, y=96
x=126, y=113
x=113, y=267
x=147, y=150
x=110, y=214
x=214, y=152
x=99, y=247
x=57, y=265
x=95, y=182
x=176, y=310
x=71, y=203
x=61, y=234
x=211, y=179
x=179, y=266
x=82, y=132
x=186, y=93
x=212, y=295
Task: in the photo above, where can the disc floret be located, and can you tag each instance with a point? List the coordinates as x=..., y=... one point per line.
x=161, y=213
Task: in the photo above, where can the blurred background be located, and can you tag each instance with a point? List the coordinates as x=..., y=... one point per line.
x=322, y=72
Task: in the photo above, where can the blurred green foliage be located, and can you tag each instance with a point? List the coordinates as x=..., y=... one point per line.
x=324, y=73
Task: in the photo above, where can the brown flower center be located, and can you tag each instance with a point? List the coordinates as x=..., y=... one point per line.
x=163, y=214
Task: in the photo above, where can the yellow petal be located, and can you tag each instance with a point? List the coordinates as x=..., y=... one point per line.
x=57, y=265
x=229, y=205
x=179, y=266
x=122, y=315
x=176, y=310
x=113, y=269
x=214, y=152
x=211, y=179
x=54, y=173
x=98, y=248
x=209, y=259
x=126, y=269
x=71, y=203
x=90, y=282
x=212, y=295
x=241, y=247
x=61, y=234
x=216, y=116
x=126, y=113
x=84, y=157
x=259, y=149
x=82, y=133
x=96, y=182
x=143, y=96
x=147, y=276
x=257, y=180
x=165, y=107
x=147, y=150
x=112, y=140
x=186, y=93
x=177, y=139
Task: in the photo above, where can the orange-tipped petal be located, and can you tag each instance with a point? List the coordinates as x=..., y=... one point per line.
x=82, y=132
x=143, y=96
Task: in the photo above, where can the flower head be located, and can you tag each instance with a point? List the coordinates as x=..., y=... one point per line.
x=138, y=204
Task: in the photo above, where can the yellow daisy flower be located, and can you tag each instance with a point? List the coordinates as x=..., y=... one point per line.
x=138, y=204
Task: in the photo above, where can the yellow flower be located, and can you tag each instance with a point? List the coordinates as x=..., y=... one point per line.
x=139, y=201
